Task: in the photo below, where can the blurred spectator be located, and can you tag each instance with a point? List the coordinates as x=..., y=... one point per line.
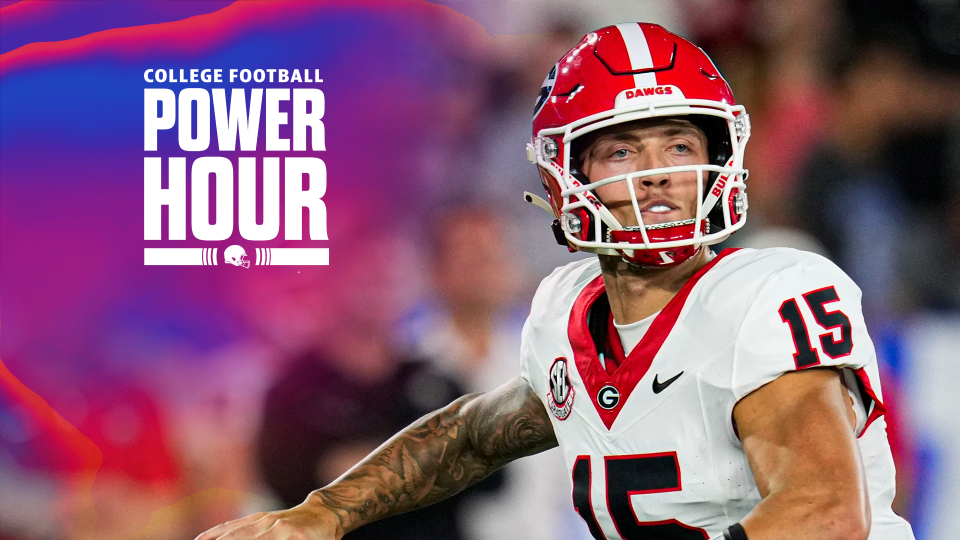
x=471, y=328
x=516, y=67
x=323, y=416
x=880, y=188
x=348, y=390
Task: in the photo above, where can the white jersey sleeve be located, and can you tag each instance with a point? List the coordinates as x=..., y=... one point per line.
x=807, y=314
x=554, y=297
x=527, y=356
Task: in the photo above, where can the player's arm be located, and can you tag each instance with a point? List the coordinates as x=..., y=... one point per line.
x=432, y=459
x=798, y=435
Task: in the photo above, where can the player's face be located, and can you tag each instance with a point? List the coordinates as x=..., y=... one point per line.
x=643, y=145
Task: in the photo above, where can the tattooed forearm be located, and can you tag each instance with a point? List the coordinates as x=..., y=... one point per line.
x=441, y=454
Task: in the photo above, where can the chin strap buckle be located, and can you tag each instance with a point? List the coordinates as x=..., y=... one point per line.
x=740, y=203
x=742, y=125
x=538, y=202
x=544, y=147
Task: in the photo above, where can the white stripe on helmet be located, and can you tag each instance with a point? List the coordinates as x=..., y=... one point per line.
x=639, y=53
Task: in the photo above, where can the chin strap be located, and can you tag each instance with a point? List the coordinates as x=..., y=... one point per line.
x=555, y=225
x=634, y=253
x=538, y=202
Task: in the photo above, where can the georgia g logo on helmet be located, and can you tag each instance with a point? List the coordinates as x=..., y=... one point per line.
x=625, y=73
x=545, y=90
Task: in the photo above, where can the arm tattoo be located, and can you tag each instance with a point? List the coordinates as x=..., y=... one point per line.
x=441, y=454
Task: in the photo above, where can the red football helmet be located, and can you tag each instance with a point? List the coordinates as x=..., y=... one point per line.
x=629, y=72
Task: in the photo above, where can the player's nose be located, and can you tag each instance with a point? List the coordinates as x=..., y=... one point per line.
x=649, y=158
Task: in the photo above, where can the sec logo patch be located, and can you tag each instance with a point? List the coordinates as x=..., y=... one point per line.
x=560, y=398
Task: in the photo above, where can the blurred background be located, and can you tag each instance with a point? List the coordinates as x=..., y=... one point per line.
x=153, y=402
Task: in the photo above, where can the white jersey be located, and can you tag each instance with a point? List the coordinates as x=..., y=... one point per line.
x=651, y=447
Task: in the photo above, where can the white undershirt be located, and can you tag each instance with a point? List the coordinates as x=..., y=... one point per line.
x=631, y=334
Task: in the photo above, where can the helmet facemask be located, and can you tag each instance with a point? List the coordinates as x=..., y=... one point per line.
x=588, y=224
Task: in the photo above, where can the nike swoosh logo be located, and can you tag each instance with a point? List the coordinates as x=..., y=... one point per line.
x=660, y=387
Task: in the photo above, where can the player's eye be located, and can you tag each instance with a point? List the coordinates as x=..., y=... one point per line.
x=682, y=148
x=621, y=153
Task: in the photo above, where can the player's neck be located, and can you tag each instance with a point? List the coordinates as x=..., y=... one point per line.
x=636, y=293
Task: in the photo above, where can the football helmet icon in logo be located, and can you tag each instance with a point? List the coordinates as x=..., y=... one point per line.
x=236, y=256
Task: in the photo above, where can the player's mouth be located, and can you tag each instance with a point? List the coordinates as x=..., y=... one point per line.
x=658, y=206
x=658, y=211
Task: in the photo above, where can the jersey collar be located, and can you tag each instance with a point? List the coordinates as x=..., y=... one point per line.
x=625, y=377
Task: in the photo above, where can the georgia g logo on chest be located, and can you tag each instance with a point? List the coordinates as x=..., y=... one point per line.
x=560, y=397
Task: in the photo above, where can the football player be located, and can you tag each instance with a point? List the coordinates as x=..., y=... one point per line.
x=694, y=395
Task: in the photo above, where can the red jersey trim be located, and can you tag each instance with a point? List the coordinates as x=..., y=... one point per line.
x=616, y=347
x=626, y=376
x=878, y=408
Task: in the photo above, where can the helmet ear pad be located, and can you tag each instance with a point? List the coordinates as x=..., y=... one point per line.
x=719, y=151
x=718, y=137
x=577, y=148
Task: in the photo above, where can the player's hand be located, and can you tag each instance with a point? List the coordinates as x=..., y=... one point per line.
x=307, y=521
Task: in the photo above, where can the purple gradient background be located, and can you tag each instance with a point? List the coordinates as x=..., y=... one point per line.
x=79, y=306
